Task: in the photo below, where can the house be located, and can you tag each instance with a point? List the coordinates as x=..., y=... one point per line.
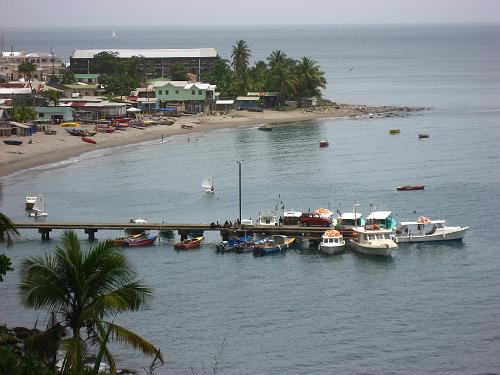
x=158, y=62
x=23, y=130
x=308, y=102
x=247, y=102
x=187, y=96
x=268, y=99
x=55, y=115
x=18, y=95
x=89, y=109
x=88, y=78
x=47, y=65
x=224, y=105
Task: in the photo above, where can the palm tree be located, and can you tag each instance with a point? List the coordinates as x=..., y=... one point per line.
x=7, y=232
x=241, y=56
x=27, y=67
x=85, y=290
x=53, y=96
x=310, y=77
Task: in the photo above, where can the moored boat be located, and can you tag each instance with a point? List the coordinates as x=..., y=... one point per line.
x=38, y=209
x=234, y=244
x=372, y=240
x=141, y=242
x=276, y=244
x=190, y=243
x=324, y=143
x=29, y=202
x=426, y=230
x=394, y=131
x=332, y=242
x=410, y=187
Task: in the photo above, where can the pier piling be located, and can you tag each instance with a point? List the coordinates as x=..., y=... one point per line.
x=91, y=233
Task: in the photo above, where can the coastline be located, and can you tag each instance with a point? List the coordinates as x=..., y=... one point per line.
x=47, y=149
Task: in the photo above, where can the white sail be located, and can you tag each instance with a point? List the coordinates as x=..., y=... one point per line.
x=207, y=183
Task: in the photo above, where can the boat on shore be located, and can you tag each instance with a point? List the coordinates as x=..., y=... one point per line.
x=427, y=230
x=275, y=244
x=410, y=187
x=190, y=243
x=29, y=202
x=70, y=125
x=13, y=142
x=332, y=242
x=372, y=240
x=89, y=140
x=186, y=126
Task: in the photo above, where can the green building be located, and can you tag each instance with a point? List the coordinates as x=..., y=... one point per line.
x=189, y=97
x=55, y=115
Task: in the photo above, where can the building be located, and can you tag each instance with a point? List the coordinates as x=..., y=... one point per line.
x=187, y=96
x=47, y=65
x=55, y=115
x=90, y=109
x=157, y=61
x=88, y=78
x=247, y=102
x=268, y=99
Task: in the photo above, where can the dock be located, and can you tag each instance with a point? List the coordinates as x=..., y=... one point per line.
x=90, y=229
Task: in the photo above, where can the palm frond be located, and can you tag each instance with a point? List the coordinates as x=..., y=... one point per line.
x=7, y=230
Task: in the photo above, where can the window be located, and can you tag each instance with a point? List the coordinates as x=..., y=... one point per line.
x=89, y=80
x=159, y=92
x=200, y=92
x=176, y=91
x=193, y=92
x=166, y=92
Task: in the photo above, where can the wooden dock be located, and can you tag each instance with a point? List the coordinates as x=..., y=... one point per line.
x=90, y=229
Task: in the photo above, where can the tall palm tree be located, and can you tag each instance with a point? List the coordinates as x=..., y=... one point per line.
x=283, y=80
x=240, y=56
x=310, y=77
x=277, y=57
x=85, y=290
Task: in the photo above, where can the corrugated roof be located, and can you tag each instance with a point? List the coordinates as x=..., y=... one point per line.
x=379, y=215
x=14, y=90
x=224, y=102
x=248, y=98
x=148, y=53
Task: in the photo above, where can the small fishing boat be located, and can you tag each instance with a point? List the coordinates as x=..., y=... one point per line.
x=186, y=126
x=382, y=219
x=80, y=132
x=29, y=202
x=142, y=241
x=266, y=128
x=276, y=244
x=70, y=125
x=332, y=242
x=208, y=184
x=13, y=142
x=394, y=131
x=104, y=129
x=372, y=240
x=423, y=135
x=234, y=244
x=122, y=241
x=190, y=243
x=89, y=140
x=38, y=209
x=410, y=187
x=426, y=230
x=324, y=144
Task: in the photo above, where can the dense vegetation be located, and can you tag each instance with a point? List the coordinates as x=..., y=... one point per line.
x=291, y=79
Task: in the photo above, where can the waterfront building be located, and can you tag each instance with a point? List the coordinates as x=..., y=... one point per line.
x=47, y=65
x=186, y=96
x=90, y=109
x=158, y=62
x=247, y=102
x=268, y=99
x=54, y=115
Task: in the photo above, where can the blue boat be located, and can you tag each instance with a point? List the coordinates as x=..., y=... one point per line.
x=276, y=244
x=235, y=244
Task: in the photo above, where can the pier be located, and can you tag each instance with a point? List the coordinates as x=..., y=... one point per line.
x=90, y=229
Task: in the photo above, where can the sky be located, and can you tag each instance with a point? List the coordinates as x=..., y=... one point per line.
x=44, y=13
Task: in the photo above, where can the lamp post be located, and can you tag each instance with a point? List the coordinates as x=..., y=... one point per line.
x=239, y=185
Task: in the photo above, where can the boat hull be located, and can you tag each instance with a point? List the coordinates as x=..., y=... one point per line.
x=13, y=142
x=89, y=140
x=448, y=235
x=331, y=250
x=382, y=249
x=410, y=187
x=141, y=242
x=188, y=245
x=38, y=214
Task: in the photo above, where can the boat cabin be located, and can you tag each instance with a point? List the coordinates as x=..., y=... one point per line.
x=333, y=240
x=291, y=217
x=428, y=228
x=366, y=235
x=350, y=220
x=383, y=219
x=267, y=218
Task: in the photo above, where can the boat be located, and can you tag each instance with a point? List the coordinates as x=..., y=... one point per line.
x=423, y=135
x=267, y=128
x=104, y=129
x=394, y=131
x=267, y=218
x=38, y=209
x=410, y=187
x=80, y=132
x=234, y=244
x=190, y=243
x=29, y=201
x=372, y=240
x=13, y=142
x=425, y=229
x=142, y=241
x=351, y=220
x=291, y=217
x=323, y=144
x=70, y=125
x=186, y=126
x=275, y=244
x=132, y=230
x=89, y=140
x=332, y=242
x=208, y=184
x=122, y=241
x=383, y=219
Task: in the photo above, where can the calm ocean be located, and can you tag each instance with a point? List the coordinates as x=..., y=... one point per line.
x=432, y=308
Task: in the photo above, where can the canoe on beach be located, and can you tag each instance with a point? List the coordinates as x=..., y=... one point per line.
x=13, y=142
x=89, y=140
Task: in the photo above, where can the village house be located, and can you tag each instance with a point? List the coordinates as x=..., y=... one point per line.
x=186, y=96
x=87, y=78
x=47, y=65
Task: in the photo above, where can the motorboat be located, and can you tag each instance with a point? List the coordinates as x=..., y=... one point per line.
x=267, y=128
x=383, y=219
x=29, y=202
x=38, y=209
x=267, y=218
x=423, y=135
x=208, y=184
x=410, y=187
x=190, y=243
x=350, y=220
x=324, y=143
x=332, y=242
x=141, y=241
x=372, y=240
x=425, y=229
x=234, y=244
x=275, y=244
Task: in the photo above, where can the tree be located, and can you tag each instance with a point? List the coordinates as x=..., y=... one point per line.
x=53, y=96
x=222, y=76
x=85, y=290
x=106, y=63
x=310, y=78
x=67, y=77
x=27, y=67
x=241, y=56
x=7, y=233
x=119, y=84
x=178, y=72
x=277, y=57
x=258, y=76
x=23, y=114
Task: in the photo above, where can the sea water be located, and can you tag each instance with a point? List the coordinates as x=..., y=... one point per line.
x=431, y=308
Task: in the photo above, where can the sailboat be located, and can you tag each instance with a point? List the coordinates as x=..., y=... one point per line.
x=38, y=208
x=113, y=34
x=208, y=184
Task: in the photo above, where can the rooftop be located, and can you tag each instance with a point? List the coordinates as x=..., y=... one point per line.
x=148, y=53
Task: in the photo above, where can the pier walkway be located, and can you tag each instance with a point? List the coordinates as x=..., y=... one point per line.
x=44, y=228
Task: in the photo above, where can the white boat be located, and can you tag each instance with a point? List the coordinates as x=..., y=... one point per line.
x=372, y=240
x=332, y=242
x=267, y=218
x=382, y=218
x=38, y=209
x=351, y=220
x=208, y=184
x=29, y=201
x=425, y=229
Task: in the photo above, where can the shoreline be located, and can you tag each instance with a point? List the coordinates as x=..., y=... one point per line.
x=48, y=149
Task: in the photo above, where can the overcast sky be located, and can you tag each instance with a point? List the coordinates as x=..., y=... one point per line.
x=249, y=12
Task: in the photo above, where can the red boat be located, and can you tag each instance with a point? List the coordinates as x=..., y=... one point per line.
x=89, y=140
x=141, y=242
x=410, y=187
x=190, y=243
x=324, y=143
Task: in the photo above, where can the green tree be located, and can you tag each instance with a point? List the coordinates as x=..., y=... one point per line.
x=106, y=63
x=240, y=56
x=222, y=76
x=258, y=76
x=7, y=234
x=310, y=78
x=67, y=77
x=178, y=72
x=135, y=67
x=53, y=96
x=277, y=57
x=23, y=114
x=119, y=84
x=27, y=67
x=85, y=290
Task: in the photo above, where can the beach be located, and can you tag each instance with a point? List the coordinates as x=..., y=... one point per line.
x=46, y=149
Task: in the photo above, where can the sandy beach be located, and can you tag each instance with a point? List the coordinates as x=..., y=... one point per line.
x=46, y=149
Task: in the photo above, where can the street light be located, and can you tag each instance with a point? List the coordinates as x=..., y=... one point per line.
x=239, y=185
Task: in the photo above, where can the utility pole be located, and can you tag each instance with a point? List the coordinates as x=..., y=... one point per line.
x=239, y=185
